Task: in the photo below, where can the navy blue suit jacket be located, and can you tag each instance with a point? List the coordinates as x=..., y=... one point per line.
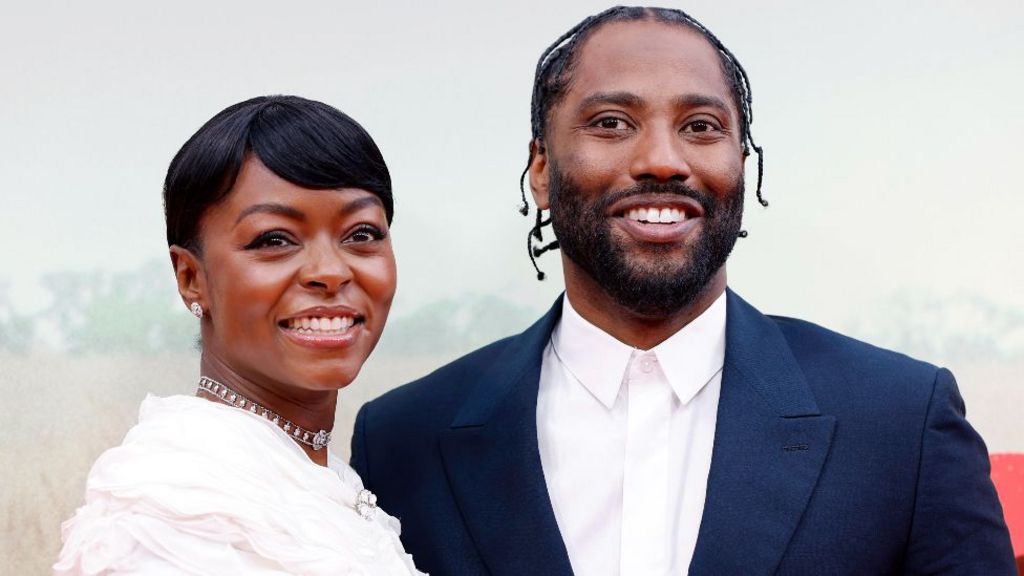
x=830, y=457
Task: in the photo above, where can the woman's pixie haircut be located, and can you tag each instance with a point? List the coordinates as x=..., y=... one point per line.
x=305, y=142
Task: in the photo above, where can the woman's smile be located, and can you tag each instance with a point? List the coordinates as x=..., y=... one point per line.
x=324, y=327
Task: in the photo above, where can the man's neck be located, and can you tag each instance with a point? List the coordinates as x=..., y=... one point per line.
x=643, y=332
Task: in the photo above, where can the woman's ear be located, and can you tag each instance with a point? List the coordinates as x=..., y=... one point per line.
x=188, y=271
x=539, y=173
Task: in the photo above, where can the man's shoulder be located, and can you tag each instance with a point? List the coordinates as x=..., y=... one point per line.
x=439, y=395
x=847, y=366
x=815, y=346
x=809, y=339
x=443, y=389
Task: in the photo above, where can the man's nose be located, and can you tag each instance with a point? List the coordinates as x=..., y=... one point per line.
x=325, y=268
x=659, y=155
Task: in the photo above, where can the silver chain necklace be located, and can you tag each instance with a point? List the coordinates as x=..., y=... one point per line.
x=228, y=396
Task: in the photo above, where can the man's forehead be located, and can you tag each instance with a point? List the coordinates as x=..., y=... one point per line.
x=619, y=55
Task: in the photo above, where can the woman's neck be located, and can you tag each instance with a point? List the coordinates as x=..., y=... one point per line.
x=309, y=409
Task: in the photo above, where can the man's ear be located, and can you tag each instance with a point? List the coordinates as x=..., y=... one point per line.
x=188, y=271
x=539, y=173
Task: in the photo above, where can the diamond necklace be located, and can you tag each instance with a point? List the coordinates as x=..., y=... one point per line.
x=228, y=396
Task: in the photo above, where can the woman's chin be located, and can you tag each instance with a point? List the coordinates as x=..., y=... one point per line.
x=329, y=378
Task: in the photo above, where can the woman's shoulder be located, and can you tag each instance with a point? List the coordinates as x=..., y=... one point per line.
x=199, y=480
x=186, y=441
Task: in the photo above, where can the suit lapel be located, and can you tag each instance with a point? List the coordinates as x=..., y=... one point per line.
x=493, y=463
x=770, y=445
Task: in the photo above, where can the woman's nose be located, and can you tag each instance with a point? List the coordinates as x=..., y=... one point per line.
x=325, y=268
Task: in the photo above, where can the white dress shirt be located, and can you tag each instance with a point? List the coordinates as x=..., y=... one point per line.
x=625, y=439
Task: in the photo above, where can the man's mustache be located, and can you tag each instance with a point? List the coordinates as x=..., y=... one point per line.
x=707, y=201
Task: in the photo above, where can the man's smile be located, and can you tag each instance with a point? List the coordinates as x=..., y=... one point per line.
x=657, y=218
x=656, y=215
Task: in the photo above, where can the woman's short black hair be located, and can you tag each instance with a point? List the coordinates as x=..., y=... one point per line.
x=305, y=142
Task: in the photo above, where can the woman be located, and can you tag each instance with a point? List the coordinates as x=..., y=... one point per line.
x=278, y=212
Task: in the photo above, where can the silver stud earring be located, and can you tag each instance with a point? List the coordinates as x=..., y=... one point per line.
x=197, y=310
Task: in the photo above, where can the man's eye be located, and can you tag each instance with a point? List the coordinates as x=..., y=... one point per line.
x=611, y=123
x=700, y=126
x=269, y=240
x=365, y=234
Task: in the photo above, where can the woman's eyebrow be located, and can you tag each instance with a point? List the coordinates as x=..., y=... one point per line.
x=271, y=208
x=359, y=204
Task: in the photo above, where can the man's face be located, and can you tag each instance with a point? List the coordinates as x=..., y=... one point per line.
x=643, y=167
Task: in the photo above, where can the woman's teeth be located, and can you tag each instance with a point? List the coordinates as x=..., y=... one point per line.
x=335, y=324
x=656, y=215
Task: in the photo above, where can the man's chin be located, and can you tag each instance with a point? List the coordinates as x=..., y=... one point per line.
x=654, y=282
x=649, y=259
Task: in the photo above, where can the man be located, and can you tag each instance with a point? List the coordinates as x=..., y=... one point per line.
x=653, y=422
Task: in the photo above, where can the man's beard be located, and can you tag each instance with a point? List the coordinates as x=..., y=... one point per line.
x=585, y=235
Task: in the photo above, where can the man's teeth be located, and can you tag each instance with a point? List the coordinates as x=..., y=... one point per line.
x=335, y=324
x=658, y=215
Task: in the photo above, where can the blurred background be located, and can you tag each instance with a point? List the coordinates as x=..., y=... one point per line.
x=891, y=135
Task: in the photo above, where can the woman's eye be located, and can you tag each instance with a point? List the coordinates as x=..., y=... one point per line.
x=270, y=240
x=611, y=123
x=365, y=234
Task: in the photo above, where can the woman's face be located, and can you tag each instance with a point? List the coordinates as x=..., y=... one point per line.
x=297, y=283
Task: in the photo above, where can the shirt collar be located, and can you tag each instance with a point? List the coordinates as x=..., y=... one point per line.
x=694, y=354
x=689, y=358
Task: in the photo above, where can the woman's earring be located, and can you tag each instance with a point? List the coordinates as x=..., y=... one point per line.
x=197, y=310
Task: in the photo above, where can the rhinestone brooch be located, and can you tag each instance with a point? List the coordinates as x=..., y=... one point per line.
x=366, y=504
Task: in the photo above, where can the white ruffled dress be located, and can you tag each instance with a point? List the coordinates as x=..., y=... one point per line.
x=204, y=488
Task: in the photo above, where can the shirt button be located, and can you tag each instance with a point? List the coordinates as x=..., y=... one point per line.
x=647, y=366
